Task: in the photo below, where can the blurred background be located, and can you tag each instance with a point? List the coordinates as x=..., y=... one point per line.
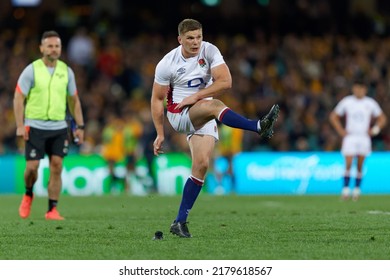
x=301, y=54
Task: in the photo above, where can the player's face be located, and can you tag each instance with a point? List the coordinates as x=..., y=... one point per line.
x=191, y=42
x=51, y=48
x=359, y=90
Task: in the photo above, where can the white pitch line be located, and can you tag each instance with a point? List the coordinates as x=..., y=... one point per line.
x=378, y=212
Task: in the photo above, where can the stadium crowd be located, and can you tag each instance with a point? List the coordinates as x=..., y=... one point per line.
x=306, y=74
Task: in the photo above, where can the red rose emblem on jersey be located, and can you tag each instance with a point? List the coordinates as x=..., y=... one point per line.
x=201, y=62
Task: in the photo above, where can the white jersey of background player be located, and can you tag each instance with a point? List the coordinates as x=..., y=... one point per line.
x=359, y=110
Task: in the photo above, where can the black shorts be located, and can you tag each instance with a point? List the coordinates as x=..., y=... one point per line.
x=51, y=142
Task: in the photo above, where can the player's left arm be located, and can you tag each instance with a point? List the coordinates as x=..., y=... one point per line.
x=75, y=108
x=380, y=123
x=335, y=121
x=222, y=81
x=77, y=113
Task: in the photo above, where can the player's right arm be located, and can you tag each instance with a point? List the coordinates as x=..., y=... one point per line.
x=157, y=108
x=336, y=123
x=24, y=84
x=19, y=114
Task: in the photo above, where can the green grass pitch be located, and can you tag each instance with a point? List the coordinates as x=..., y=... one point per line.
x=223, y=228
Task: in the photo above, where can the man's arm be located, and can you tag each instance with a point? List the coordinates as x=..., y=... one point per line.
x=24, y=84
x=380, y=123
x=336, y=123
x=76, y=111
x=19, y=114
x=74, y=106
x=222, y=81
x=157, y=109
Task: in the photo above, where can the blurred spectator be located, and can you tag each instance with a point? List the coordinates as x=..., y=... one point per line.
x=220, y=176
x=81, y=48
x=109, y=60
x=113, y=151
x=299, y=56
x=146, y=149
x=132, y=133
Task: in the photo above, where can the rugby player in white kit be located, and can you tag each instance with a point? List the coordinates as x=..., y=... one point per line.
x=363, y=119
x=189, y=76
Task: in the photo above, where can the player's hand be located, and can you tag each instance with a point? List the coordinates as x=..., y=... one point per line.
x=79, y=135
x=343, y=133
x=374, y=131
x=189, y=100
x=23, y=131
x=157, y=145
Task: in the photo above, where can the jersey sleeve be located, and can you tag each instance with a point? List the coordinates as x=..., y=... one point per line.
x=376, y=109
x=340, y=107
x=72, y=88
x=162, y=73
x=26, y=80
x=214, y=56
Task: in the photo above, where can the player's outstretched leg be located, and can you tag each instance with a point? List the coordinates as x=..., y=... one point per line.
x=264, y=126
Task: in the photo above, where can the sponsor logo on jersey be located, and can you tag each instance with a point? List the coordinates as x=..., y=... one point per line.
x=181, y=71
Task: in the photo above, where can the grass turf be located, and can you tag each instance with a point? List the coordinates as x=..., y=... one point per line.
x=223, y=228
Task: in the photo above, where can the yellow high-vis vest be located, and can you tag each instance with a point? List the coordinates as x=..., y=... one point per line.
x=47, y=99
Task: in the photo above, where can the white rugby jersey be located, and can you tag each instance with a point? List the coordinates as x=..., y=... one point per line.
x=358, y=113
x=186, y=76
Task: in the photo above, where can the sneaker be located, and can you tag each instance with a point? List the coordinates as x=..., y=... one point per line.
x=53, y=215
x=345, y=193
x=180, y=229
x=267, y=122
x=355, y=194
x=25, y=206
